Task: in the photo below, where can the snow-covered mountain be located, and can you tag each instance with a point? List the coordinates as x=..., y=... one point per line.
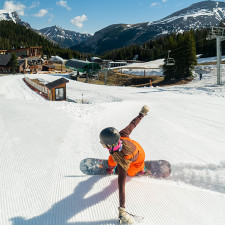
x=13, y=16
x=199, y=15
x=55, y=34
x=202, y=14
x=65, y=38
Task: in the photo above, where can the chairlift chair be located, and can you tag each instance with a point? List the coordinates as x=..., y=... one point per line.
x=170, y=62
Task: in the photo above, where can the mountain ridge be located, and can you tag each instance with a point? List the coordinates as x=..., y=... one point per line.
x=63, y=37
x=199, y=15
x=5, y=15
x=55, y=34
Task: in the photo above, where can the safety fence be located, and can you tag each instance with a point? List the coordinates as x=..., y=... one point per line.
x=40, y=89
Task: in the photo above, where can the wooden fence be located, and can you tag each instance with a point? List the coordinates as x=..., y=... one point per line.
x=40, y=89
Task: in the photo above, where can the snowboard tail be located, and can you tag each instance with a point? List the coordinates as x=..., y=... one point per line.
x=155, y=168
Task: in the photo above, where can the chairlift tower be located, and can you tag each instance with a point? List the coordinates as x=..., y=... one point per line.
x=217, y=33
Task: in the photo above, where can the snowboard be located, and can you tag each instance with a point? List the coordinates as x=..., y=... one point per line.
x=155, y=168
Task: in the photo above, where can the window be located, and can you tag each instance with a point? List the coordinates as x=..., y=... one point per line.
x=59, y=94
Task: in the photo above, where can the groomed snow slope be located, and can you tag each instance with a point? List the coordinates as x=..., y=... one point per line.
x=42, y=144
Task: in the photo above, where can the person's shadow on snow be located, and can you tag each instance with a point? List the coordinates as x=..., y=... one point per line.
x=73, y=204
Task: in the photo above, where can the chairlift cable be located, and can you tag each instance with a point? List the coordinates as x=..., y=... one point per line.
x=163, y=54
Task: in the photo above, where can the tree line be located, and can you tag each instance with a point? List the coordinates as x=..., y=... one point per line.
x=183, y=46
x=16, y=36
x=157, y=48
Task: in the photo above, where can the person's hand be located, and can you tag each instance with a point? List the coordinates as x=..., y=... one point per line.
x=110, y=170
x=124, y=217
x=144, y=110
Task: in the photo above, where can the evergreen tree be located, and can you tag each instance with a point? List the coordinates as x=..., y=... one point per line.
x=14, y=36
x=13, y=63
x=157, y=48
x=222, y=24
x=184, y=55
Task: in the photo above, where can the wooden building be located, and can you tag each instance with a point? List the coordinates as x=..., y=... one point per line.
x=5, y=63
x=53, y=91
x=57, y=89
x=3, y=52
x=117, y=64
x=27, y=52
x=48, y=68
x=30, y=65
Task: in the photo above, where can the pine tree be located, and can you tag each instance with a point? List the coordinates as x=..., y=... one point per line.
x=13, y=63
x=15, y=35
x=190, y=54
x=222, y=24
x=184, y=54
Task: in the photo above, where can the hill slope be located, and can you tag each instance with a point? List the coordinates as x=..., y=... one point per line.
x=13, y=35
x=40, y=179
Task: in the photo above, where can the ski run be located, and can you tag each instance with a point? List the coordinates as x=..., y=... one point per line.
x=43, y=142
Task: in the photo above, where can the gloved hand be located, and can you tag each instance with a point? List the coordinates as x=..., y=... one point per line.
x=124, y=217
x=110, y=170
x=144, y=110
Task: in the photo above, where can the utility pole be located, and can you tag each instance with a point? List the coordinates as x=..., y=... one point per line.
x=217, y=33
x=106, y=73
x=218, y=53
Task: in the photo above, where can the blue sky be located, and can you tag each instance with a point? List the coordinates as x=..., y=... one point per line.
x=92, y=15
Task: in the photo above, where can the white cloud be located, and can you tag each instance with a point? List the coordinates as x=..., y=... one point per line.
x=41, y=13
x=154, y=4
x=63, y=4
x=78, y=21
x=34, y=5
x=11, y=6
x=164, y=0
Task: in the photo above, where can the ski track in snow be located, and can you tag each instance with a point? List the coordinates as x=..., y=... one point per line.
x=42, y=143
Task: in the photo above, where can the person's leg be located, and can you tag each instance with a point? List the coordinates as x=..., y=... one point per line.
x=111, y=161
x=138, y=165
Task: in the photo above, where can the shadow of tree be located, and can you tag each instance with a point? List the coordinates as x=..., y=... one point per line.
x=73, y=204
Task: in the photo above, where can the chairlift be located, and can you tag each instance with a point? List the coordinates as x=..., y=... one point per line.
x=170, y=61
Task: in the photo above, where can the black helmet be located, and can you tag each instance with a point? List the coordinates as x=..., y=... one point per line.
x=110, y=136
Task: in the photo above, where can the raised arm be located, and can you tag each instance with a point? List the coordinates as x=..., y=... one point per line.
x=127, y=130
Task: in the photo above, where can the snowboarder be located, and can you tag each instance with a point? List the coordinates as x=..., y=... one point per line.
x=200, y=76
x=126, y=156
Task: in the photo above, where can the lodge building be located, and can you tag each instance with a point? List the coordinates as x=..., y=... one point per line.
x=27, y=52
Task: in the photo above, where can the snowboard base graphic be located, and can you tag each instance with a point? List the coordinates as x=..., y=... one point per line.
x=155, y=168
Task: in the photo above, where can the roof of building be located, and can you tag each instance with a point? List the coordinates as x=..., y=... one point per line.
x=49, y=66
x=4, y=59
x=96, y=59
x=22, y=49
x=56, y=59
x=30, y=59
x=76, y=63
x=56, y=83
